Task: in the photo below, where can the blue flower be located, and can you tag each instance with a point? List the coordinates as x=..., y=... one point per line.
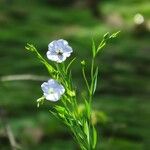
x=52, y=90
x=59, y=50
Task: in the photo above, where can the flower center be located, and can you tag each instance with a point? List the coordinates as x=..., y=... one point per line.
x=59, y=52
x=51, y=91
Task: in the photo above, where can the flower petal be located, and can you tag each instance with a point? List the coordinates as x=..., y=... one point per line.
x=51, y=56
x=44, y=87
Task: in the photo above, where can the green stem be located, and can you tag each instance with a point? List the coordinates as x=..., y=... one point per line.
x=84, y=76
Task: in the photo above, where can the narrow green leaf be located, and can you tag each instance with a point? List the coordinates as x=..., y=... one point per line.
x=93, y=48
x=71, y=93
x=102, y=45
x=94, y=137
x=88, y=109
x=95, y=80
x=54, y=113
x=68, y=66
x=85, y=79
x=114, y=35
x=106, y=35
x=60, y=109
x=86, y=131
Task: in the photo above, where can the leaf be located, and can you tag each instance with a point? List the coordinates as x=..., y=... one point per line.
x=86, y=131
x=60, y=109
x=54, y=112
x=71, y=93
x=60, y=113
x=88, y=109
x=95, y=80
x=94, y=138
x=70, y=64
x=114, y=35
x=85, y=79
x=106, y=36
x=93, y=48
x=101, y=45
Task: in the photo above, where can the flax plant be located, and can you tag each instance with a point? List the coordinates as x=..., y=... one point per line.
x=60, y=88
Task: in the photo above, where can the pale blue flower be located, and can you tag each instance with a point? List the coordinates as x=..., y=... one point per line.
x=59, y=50
x=52, y=90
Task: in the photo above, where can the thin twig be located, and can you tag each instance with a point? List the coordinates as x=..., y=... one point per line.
x=8, y=130
x=23, y=77
x=11, y=138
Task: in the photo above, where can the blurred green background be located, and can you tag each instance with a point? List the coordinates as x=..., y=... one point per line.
x=123, y=94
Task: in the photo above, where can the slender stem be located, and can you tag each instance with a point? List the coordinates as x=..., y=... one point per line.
x=91, y=97
x=92, y=67
x=84, y=76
